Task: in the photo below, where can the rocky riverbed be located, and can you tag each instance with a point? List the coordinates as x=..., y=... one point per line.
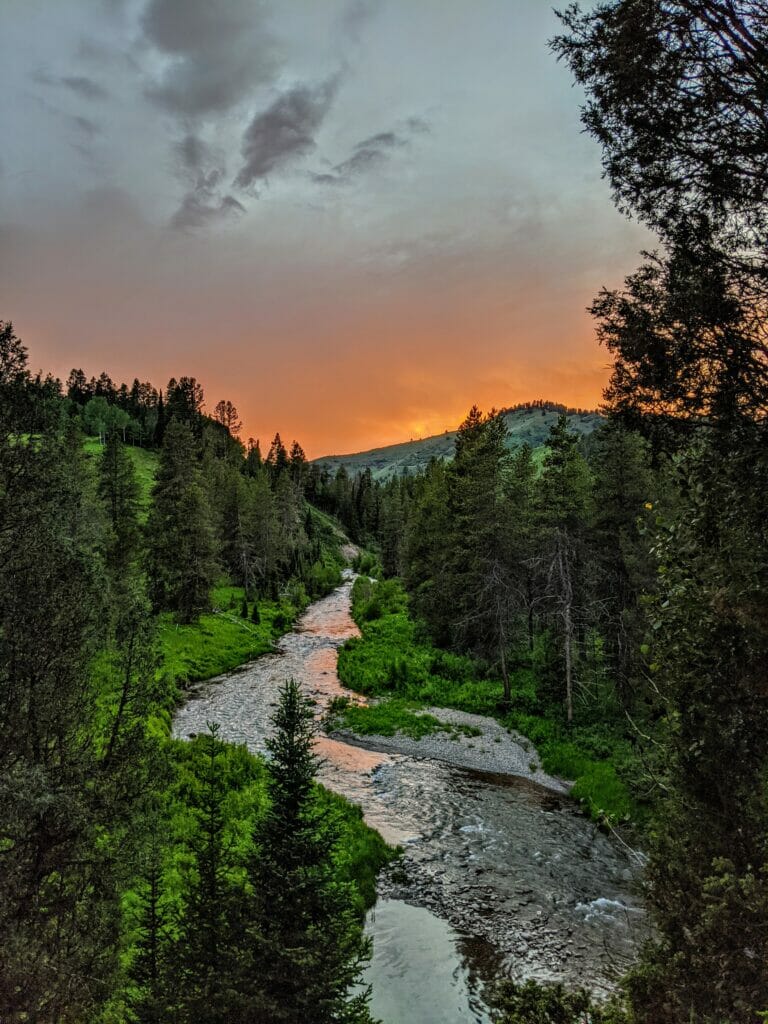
x=492, y=845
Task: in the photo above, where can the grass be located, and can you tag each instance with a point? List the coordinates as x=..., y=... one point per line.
x=389, y=717
x=145, y=464
x=220, y=641
x=392, y=661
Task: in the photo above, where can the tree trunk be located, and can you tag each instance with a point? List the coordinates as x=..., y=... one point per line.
x=568, y=667
x=504, y=669
x=566, y=607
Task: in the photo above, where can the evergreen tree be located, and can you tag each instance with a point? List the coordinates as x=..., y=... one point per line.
x=427, y=528
x=153, y=998
x=226, y=414
x=204, y=958
x=277, y=459
x=118, y=489
x=307, y=945
x=184, y=401
x=253, y=460
x=563, y=501
x=182, y=563
x=707, y=881
x=477, y=568
x=625, y=492
x=58, y=899
x=675, y=96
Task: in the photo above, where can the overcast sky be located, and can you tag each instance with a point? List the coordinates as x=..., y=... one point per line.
x=353, y=218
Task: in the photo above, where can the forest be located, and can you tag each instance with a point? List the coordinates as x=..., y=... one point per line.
x=605, y=597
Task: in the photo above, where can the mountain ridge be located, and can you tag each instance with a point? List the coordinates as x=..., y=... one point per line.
x=527, y=423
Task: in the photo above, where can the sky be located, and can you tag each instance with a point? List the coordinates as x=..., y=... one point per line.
x=352, y=218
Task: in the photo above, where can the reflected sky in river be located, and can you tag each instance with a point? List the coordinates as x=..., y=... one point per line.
x=504, y=861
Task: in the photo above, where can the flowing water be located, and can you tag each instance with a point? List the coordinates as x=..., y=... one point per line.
x=499, y=875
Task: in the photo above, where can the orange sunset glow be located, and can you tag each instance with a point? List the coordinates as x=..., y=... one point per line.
x=352, y=257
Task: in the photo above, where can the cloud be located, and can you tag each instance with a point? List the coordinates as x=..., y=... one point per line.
x=203, y=169
x=369, y=153
x=85, y=87
x=195, y=156
x=356, y=16
x=88, y=127
x=218, y=53
x=197, y=211
x=285, y=130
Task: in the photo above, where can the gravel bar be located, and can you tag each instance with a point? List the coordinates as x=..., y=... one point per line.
x=496, y=750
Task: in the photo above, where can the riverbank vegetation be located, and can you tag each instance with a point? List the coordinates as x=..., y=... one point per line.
x=393, y=662
x=130, y=862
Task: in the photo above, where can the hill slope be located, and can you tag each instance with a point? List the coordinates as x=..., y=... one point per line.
x=527, y=424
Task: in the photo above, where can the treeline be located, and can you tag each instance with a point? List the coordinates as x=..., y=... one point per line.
x=520, y=561
x=141, y=878
x=544, y=405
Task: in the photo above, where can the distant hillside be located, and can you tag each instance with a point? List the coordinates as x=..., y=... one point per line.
x=526, y=424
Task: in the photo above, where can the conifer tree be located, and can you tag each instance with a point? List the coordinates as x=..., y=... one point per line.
x=205, y=956
x=182, y=563
x=277, y=459
x=306, y=941
x=58, y=894
x=118, y=489
x=563, y=502
x=154, y=991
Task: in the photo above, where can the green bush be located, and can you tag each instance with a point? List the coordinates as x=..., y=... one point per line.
x=534, y=1003
x=367, y=564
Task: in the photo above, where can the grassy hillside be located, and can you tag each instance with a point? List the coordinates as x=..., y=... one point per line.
x=144, y=462
x=526, y=425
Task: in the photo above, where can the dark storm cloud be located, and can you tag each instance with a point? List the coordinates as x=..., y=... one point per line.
x=219, y=52
x=197, y=211
x=85, y=87
x=285, y=130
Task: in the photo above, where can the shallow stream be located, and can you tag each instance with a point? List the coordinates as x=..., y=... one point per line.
x=499, y=874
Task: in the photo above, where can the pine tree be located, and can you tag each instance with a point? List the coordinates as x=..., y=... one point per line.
x=707, y=881
x=182, y=563
x=307, y=945
x=277, y=459
x=205, y=957
x=563, y=501
x=154, y=993
x=625, y=492
x=58, y=899
x=118, y=489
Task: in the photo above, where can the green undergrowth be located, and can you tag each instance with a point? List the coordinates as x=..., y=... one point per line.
x=389, y=717
x=392, y=660
x=360, y=854
x=175, y=824
x=223, y=639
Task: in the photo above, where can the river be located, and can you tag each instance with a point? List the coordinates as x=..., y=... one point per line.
x=500, y=875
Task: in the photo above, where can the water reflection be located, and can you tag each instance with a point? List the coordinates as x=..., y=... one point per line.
x=421, y=971
x=502, y=860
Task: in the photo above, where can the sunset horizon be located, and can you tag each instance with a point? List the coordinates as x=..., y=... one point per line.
x=352, y=257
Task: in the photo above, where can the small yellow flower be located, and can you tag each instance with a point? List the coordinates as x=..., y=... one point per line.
x=648, y=505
